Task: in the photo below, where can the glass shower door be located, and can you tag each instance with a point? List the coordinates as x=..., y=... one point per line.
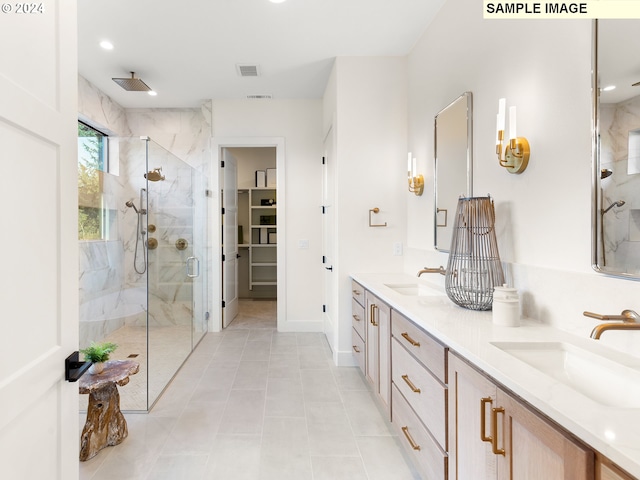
x=175, y=269
x=200, y=237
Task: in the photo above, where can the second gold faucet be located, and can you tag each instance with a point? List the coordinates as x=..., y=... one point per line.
x=627, y=320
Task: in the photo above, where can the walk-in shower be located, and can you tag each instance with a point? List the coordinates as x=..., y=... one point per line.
x=137, y=289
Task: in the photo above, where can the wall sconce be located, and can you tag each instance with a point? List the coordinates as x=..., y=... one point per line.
x=416, y=182
x=515, y=157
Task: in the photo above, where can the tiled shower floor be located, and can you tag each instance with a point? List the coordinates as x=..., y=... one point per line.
x=255, y=404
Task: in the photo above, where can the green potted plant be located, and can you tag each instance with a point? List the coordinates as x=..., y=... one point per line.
x=97, y=354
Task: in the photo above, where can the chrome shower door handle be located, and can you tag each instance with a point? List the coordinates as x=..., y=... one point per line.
x=193, y=261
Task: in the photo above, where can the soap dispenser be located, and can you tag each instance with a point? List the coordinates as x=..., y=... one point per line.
x=506, y=306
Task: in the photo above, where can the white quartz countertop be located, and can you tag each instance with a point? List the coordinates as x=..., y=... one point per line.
x=614, y=432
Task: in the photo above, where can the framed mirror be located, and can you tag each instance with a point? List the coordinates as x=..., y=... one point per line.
x=616, y=148
x=453, y=147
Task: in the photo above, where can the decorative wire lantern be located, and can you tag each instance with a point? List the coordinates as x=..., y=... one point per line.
x=474, y=267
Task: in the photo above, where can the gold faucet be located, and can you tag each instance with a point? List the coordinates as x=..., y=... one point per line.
x=630, y=321
x=439, y=270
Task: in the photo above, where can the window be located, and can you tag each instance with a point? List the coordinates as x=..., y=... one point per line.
x=93, y=217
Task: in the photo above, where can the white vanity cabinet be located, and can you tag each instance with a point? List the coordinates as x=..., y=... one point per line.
x=378, y=348
x=493, y=435
x=419, y=395
x=358, y=323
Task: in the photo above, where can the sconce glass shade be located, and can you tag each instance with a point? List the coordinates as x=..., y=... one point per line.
x=474, y=266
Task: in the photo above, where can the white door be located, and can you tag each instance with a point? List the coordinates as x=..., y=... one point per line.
x=229, y=238
x=39, y=431
x=328, y=243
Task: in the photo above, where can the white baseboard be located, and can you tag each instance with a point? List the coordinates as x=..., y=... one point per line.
x=344, y=359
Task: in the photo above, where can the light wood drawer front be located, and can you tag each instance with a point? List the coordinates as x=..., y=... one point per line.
x=358, y=317
x=357, y=292
x=425, y=348
x=430, y=458
x=426, y=395
x=358, y=348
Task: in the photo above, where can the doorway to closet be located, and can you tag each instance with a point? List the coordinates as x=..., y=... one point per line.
x=249, y=198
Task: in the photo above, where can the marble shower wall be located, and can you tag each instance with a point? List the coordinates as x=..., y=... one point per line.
x=621, y=224
x=185, y=132
x=178, y=204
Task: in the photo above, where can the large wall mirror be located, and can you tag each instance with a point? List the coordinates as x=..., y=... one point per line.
x=616, y=148
x=453, y=144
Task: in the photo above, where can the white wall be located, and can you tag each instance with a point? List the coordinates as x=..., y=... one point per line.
x=299, y=123
x=367, y=100
x=543, y=215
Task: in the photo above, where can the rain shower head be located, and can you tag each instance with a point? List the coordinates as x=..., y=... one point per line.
x=132, y=84
x=154, y=175
x=605, y=172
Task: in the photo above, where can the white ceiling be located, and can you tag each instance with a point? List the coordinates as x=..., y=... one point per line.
x=187, y=50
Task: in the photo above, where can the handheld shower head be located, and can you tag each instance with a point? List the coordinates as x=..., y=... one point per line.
x=618, y=204
x=130, y=204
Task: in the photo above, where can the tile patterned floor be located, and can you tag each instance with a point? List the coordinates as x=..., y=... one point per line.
x=255, y=404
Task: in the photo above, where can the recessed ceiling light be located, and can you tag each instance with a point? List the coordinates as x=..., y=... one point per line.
x=609, y=88
x=152, y=93
x=106, y=44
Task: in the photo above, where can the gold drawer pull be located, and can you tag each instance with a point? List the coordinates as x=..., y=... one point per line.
x=483, y=421
x=405, y=430
x=357, y=350
x=372, y=314
x=356, y=292
x=356, y=318
x=406, y=336
x=411, y=385
x=494, y=430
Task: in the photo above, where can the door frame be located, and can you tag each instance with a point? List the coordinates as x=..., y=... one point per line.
x=229, y=193
x=215, y=270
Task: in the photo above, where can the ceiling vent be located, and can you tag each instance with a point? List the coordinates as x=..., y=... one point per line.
x=247, y=70
x=259, y=97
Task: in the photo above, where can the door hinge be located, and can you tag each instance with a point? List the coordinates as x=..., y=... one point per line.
x=324, y=259
x=223, y=304
x=324, y=209
x=222, y=163
x=324, y=309
x=223, y=257
x=324, y=160
x=222, y=210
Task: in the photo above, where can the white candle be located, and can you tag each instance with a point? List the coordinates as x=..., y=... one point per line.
x=512, y=123
x=413, y=168
x=501, y=111
x=409, y=164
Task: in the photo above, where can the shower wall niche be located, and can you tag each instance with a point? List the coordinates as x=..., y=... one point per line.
x=144, y=287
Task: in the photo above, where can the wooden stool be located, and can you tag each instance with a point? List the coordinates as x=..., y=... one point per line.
x=105, y=425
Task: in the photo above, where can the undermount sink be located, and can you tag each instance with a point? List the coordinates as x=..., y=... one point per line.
x=415, y=289
x=604, y=381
